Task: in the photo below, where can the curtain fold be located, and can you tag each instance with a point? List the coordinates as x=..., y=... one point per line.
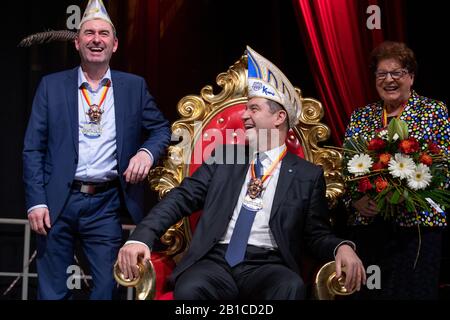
x=338, y=45
x=138, y=26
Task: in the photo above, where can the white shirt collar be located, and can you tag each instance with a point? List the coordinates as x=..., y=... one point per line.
x=82, y=79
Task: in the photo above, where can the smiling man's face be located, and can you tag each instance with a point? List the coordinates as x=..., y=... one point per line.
x=96, y=42
x=261, y=123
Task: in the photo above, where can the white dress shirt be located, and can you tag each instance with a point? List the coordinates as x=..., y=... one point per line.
x=97, y=161
x=260, y=234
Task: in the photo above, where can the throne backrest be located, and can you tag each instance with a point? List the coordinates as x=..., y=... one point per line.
x=208, y=120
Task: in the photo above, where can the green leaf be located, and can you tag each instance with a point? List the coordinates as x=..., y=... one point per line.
x=381, y=204
x=410, y=207
x=405, y=194
x=398, y=127
x=395, y=197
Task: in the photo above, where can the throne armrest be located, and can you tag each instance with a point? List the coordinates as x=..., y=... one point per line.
x=152, y=280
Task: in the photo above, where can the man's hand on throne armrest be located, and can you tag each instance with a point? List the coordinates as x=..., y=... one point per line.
x=355, y=273
x=129, y=256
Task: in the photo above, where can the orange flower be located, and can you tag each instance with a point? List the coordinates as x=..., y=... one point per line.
x=381, y=184
x=385, y=158
x=426, y=159
x=409, y=145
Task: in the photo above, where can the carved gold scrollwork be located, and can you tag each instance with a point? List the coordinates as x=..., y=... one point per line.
x=310, y=132
x=192, y=108
x=233, y=84
x=163, y=179
x=174, y=239
x=330, y=160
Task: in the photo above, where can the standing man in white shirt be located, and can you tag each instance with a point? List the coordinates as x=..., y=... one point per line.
x=85, y=157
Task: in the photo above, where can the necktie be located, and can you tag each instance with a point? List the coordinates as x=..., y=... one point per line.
x=238, y=242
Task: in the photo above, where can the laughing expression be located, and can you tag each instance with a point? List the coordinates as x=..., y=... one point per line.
x=260, y=123
x=394, y=92
x=96, y=42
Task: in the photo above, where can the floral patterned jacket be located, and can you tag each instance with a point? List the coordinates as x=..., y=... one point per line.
x=427, y=119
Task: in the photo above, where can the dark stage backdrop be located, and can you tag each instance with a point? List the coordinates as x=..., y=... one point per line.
x=178, y=46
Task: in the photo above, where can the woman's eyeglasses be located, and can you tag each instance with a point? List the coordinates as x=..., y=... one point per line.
x=396, y=74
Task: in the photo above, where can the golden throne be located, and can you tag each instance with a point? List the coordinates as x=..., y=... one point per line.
x=202, y=116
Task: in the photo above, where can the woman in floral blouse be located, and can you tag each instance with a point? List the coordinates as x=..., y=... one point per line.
x=408, y=249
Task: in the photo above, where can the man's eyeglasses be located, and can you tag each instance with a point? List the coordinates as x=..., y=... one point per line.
x=396, y=74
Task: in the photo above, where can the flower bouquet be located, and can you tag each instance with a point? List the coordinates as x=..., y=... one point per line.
x=398, y=172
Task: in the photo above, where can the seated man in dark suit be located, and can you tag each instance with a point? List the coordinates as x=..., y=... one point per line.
x=256, y=210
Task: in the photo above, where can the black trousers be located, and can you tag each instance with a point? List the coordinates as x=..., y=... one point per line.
x=409, y=267
x=261, y=276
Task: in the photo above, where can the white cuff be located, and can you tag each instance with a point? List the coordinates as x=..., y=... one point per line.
x=348, y=242
x=149, y=153
x=37, y=206
x=135, y=241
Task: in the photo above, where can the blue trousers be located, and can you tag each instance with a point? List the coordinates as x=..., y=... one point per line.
x=94, y=221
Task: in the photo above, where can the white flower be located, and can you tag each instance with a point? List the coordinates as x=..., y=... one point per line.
x=401, y=166
x=395, y=137
x=421, y=177
x=360, y=164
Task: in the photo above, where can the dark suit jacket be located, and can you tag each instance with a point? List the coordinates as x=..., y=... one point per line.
x=299, y=212
x=50, y=154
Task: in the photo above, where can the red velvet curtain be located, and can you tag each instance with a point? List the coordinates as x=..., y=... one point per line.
x=138, y=26
x=142, y=27
x=338, y=45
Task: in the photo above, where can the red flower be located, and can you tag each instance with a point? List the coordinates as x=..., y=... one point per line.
x=376, y=144
x=433, y=148
x=378, y=166
x=409, y=145
x=381, y=184
x=364, y=185
x=426, y=159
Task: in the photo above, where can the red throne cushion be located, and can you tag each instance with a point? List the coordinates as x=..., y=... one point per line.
x=226, y=127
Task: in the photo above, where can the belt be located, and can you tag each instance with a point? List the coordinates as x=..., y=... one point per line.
x=94, y=187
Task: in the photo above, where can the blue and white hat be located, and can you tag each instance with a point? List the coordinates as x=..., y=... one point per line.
x=265, y=80
x=95, y=9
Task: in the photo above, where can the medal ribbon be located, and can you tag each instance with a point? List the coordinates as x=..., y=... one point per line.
x=102, y=97
x=272, y=166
